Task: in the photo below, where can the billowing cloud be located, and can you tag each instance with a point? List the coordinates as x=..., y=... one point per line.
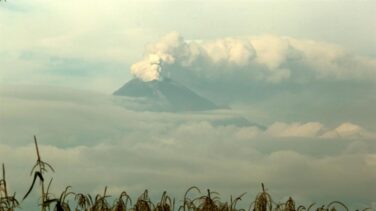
x=109, y=37
x=280, y=129
x=348, y=130
x=268, y=58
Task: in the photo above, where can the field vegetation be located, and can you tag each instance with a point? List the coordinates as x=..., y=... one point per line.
x=201, y=201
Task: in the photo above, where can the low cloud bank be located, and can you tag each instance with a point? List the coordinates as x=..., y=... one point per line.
x=93, y=142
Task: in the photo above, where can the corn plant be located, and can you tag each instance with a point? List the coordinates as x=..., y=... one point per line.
x=60, y=203
x=187, y=202
x=100, y=202
x=165, y=204
x=234, y=202
x=289, y=205
x=263, y=201
x=143, y=203
x=303, y=208
x=121, y=204
x=7, y=202
x=332, y=204
x=83, y=202
x=209, y=202
x=39, y=168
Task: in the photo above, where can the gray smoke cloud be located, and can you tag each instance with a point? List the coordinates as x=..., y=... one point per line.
x=268, y=58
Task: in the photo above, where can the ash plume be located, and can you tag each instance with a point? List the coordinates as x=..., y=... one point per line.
x=267, y=58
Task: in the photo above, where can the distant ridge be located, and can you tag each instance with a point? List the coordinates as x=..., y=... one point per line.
x=172, y=95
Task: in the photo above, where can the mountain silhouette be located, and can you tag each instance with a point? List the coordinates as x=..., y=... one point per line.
x=166, y=95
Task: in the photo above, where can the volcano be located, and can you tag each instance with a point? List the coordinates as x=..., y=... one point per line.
x=165, y=95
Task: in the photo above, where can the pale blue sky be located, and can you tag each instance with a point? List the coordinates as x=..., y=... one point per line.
x=112, y=35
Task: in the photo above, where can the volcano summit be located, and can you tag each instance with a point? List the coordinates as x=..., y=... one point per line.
x=166, y=95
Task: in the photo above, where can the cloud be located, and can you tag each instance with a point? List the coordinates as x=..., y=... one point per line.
x=92, y=134
x=267, y=58
x=39, y=111
x=280, y=129
x=109, y=37
x=345, y=130
x=348, y=130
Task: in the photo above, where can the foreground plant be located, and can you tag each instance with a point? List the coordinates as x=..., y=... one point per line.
x=263, y=201
x=209, y=202
x=121, y=204
x=332, y=205
x=100, y=202
x=289, y=205
x=61, y=204
x=144, y=203
x=39, y=168
x=187, y=202
x=7, y=203
x=165, y=204
x=234, y=202
x=83, y=202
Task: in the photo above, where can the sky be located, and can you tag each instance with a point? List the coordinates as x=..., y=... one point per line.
x=299, y=77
